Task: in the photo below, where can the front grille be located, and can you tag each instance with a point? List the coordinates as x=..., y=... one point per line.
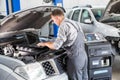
x=54, y=65
x=49, y=70
x=61, y=62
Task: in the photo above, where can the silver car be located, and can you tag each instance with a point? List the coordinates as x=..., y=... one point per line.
x=20, y=58
x=90, y=22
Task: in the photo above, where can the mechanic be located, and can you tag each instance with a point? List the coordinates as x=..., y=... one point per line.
x=71, y=37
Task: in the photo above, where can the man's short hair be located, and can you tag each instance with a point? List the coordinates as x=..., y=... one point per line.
x=57, y=12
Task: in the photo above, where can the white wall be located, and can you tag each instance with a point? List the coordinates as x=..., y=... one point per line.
x=3, y=7
x=68, y=4
x=25, y=4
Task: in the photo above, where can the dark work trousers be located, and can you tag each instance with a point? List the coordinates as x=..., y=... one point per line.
x=77, y=59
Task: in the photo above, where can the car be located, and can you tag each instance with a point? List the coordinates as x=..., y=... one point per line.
x=20, y=58
x=89, y=18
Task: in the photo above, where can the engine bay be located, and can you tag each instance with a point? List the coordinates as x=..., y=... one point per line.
x=22, y=46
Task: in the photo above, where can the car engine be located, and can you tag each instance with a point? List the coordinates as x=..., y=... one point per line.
x=22, y=46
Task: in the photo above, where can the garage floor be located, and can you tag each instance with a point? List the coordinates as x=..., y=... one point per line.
x=116, y=68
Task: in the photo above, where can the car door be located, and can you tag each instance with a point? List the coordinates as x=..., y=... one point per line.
x=86, y=21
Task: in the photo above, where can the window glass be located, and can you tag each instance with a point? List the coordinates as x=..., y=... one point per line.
x=85, y=15
x=75, y=16
x=98, y=13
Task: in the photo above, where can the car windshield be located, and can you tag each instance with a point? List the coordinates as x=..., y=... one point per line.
x=98, y=13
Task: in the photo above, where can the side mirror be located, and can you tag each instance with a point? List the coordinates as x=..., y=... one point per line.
x=88, y=21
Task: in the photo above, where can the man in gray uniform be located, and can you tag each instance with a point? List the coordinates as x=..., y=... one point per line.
x=71, y=37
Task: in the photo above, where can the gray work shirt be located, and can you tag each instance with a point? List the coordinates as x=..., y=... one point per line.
x=67, y=33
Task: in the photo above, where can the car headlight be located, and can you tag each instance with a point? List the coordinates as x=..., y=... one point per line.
x=33, y=71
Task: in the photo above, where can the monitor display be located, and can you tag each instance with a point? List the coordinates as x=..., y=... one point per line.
x=94, y=37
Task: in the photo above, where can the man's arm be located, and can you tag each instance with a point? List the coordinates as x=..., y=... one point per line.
x=61, y=38
x=48, y=44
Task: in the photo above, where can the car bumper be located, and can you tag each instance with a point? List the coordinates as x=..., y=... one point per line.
x=58, y=77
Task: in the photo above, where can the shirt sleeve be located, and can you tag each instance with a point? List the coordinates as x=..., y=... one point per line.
x=61, y=37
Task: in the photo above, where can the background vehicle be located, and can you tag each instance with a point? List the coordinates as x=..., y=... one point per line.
x=89, y=18
x=20, y=58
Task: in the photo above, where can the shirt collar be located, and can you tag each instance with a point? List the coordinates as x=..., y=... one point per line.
x=63, y=21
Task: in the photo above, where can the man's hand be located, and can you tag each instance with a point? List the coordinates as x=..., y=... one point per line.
x=48, y=44
x=41, y=44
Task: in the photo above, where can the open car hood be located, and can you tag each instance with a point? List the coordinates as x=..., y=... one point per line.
x=112, y=9
x=30, y=18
